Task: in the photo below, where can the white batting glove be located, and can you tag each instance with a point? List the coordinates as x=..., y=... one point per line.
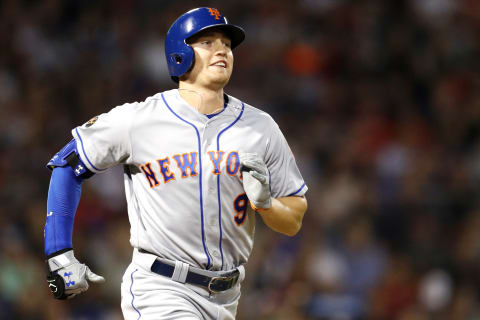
x=68, y=277
x=256, y=180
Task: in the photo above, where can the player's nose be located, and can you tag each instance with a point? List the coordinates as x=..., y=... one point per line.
x=220, y=47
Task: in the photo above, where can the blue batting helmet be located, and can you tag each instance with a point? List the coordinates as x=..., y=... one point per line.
x=179, y=54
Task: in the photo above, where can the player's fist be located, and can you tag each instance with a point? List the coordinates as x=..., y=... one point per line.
x=255, y=180
x=67, y=277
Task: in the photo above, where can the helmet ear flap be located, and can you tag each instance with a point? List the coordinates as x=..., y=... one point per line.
x=181, y=61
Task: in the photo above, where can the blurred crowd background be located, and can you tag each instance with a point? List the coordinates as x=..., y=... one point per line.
x=380, y=103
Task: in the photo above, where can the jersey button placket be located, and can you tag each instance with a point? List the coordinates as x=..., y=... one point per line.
x=210, y=197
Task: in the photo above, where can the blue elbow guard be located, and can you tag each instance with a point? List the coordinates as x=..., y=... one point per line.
x=68, y=156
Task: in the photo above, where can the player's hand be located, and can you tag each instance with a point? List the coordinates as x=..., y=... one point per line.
x=67, y=277
x=255, y=180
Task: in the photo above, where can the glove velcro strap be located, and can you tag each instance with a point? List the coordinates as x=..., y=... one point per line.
x=61, y=261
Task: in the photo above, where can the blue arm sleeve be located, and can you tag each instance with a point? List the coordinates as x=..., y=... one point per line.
x=63, y=199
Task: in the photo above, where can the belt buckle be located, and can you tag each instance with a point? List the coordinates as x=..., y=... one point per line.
x=215, y=279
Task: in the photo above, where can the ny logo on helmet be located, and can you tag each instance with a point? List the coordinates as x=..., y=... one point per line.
x=214, y=12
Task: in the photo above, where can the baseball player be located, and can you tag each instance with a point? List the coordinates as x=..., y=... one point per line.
x=199, y=167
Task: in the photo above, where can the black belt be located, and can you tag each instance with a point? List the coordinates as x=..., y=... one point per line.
x=213, y=284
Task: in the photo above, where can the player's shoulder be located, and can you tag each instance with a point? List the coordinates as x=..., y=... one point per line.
x=164, y=94
x=140, y=106
x=251, y=112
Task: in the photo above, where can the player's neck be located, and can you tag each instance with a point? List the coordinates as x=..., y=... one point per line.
x=204, y=100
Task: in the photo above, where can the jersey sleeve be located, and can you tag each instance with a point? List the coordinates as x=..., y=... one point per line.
x=285, y=177
x=104, y=141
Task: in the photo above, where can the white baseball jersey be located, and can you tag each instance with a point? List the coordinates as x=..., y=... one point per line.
x=185, y=197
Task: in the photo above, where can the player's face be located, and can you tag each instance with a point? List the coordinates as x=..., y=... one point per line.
x=213, y=60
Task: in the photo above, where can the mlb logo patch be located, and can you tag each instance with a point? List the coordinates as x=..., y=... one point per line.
x=91, y=121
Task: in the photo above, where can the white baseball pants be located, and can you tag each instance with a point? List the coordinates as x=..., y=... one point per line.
x=147, y=296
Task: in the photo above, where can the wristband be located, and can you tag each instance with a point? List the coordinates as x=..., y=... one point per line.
x=257, y=209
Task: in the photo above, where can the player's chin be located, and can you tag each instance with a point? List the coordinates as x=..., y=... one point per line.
x=220, y=78
x=215, y=71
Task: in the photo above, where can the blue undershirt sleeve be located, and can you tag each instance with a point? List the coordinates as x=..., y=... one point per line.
x=63, y=199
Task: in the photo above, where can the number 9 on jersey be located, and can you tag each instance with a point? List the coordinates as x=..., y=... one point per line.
x=240, y=204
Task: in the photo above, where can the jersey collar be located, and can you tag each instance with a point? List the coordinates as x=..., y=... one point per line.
x=182, y=108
